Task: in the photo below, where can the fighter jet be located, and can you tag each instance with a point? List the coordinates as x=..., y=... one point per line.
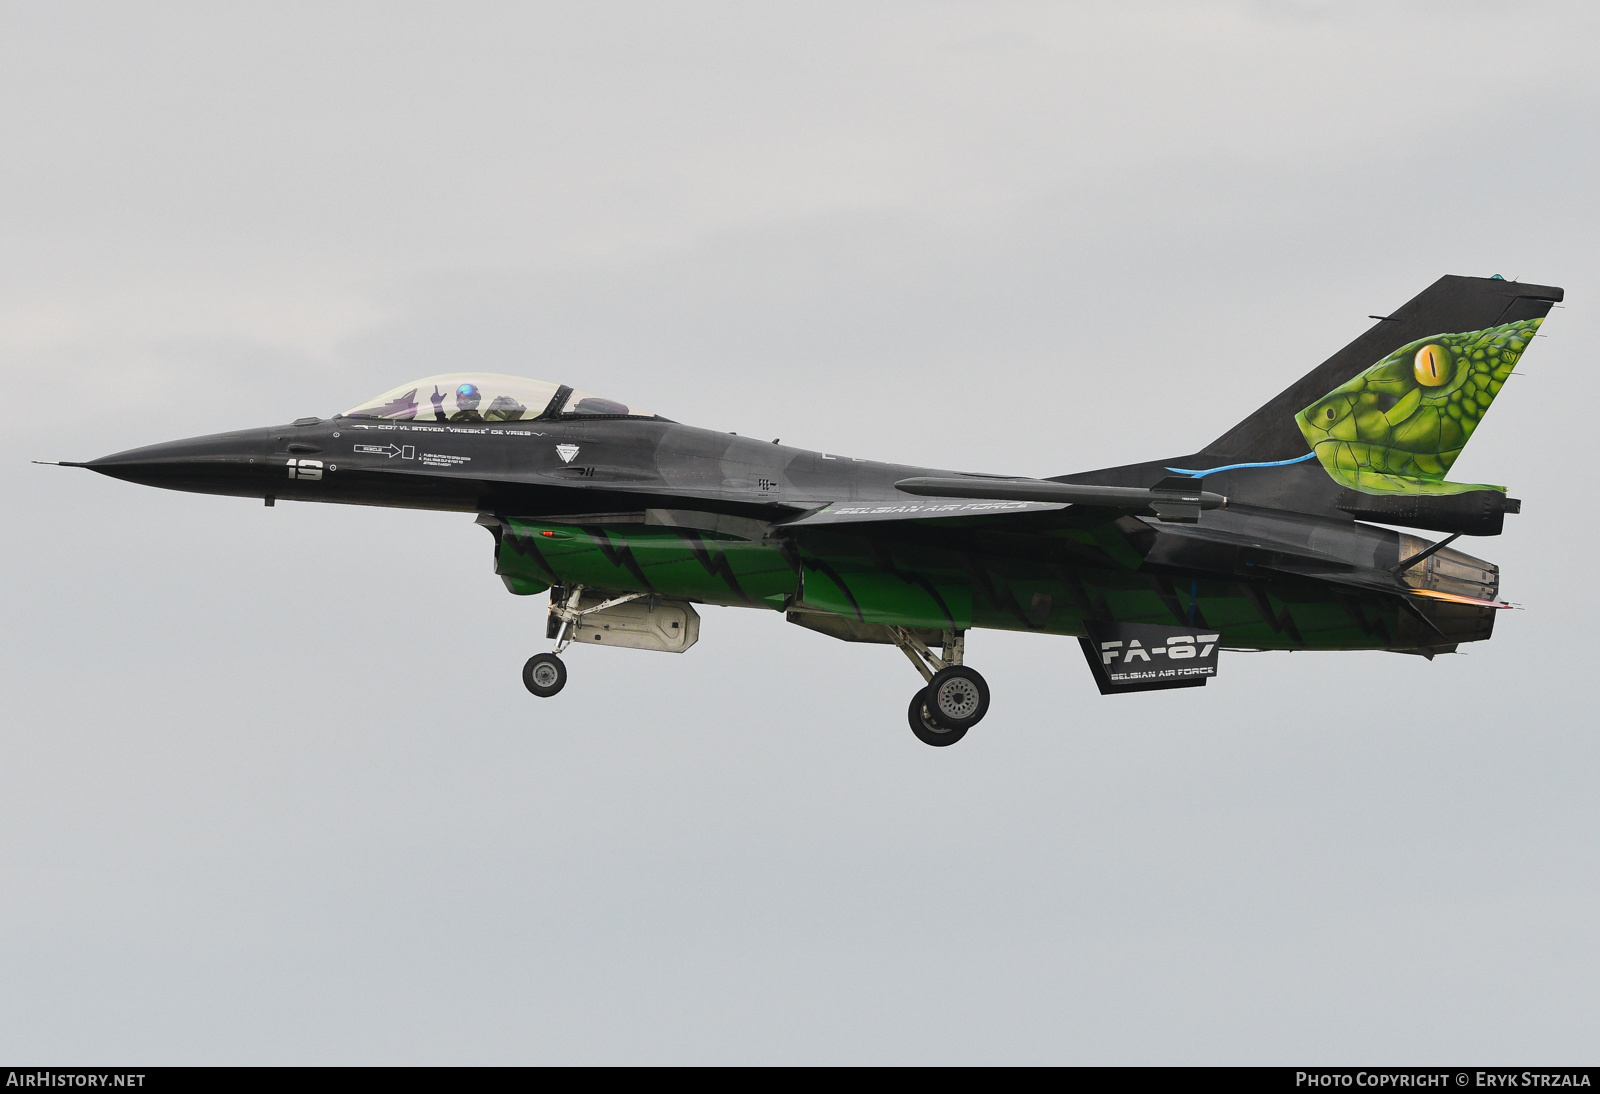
x=1271, y=537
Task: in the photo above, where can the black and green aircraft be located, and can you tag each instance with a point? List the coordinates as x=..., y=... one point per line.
x=1263, y=540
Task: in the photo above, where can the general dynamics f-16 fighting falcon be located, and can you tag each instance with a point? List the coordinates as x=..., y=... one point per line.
x=1263, y=540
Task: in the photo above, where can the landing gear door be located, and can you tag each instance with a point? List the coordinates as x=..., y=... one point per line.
x=1127, y=657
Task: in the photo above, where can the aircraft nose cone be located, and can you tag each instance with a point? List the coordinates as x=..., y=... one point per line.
x=224, y=463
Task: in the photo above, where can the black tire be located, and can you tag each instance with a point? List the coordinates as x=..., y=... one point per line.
x=544, y=675
x=958, y=697
x=929, y=731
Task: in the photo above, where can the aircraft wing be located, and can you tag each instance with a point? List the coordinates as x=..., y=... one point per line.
x=1092, y=528
x=960, y=499
x=943, y=509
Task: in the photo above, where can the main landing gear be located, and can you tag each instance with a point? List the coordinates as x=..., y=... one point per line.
x=956, y=698
x=545, y=673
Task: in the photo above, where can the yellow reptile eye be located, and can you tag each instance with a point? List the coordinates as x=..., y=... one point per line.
x=1432, y=366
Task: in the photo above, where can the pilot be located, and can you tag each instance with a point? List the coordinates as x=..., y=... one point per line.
x=467, y=399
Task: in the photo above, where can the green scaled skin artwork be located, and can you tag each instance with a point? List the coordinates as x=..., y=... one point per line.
x=1398, y=427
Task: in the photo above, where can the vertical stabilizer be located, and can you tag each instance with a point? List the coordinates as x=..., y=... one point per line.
x=1451, y=304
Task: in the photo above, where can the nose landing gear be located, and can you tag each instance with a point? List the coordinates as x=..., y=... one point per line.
x=956, y=698
x=545, y=674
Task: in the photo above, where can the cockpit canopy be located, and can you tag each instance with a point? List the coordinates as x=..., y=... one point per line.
x=488, y=397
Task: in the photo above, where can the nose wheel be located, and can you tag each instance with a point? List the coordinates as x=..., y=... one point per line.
x=956, y=698
x=544, y=674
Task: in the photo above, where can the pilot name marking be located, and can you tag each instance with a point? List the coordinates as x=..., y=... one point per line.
x=411, y=428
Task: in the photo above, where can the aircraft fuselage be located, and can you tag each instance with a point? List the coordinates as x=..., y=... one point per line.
x=660, y=508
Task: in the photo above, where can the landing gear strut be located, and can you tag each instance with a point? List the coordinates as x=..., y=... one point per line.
x=545, y=674
x=956, y=698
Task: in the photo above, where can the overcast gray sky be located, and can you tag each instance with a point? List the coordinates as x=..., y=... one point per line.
x=273, y=789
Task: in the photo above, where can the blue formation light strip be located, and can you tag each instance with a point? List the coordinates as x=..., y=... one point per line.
x=1236, y=466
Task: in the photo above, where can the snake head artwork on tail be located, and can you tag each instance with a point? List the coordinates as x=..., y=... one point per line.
x=1282, y=534
x=1398, y=427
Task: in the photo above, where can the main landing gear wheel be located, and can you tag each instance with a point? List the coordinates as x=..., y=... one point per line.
x=929, y=731
x=544, y=674
x=957, y=697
